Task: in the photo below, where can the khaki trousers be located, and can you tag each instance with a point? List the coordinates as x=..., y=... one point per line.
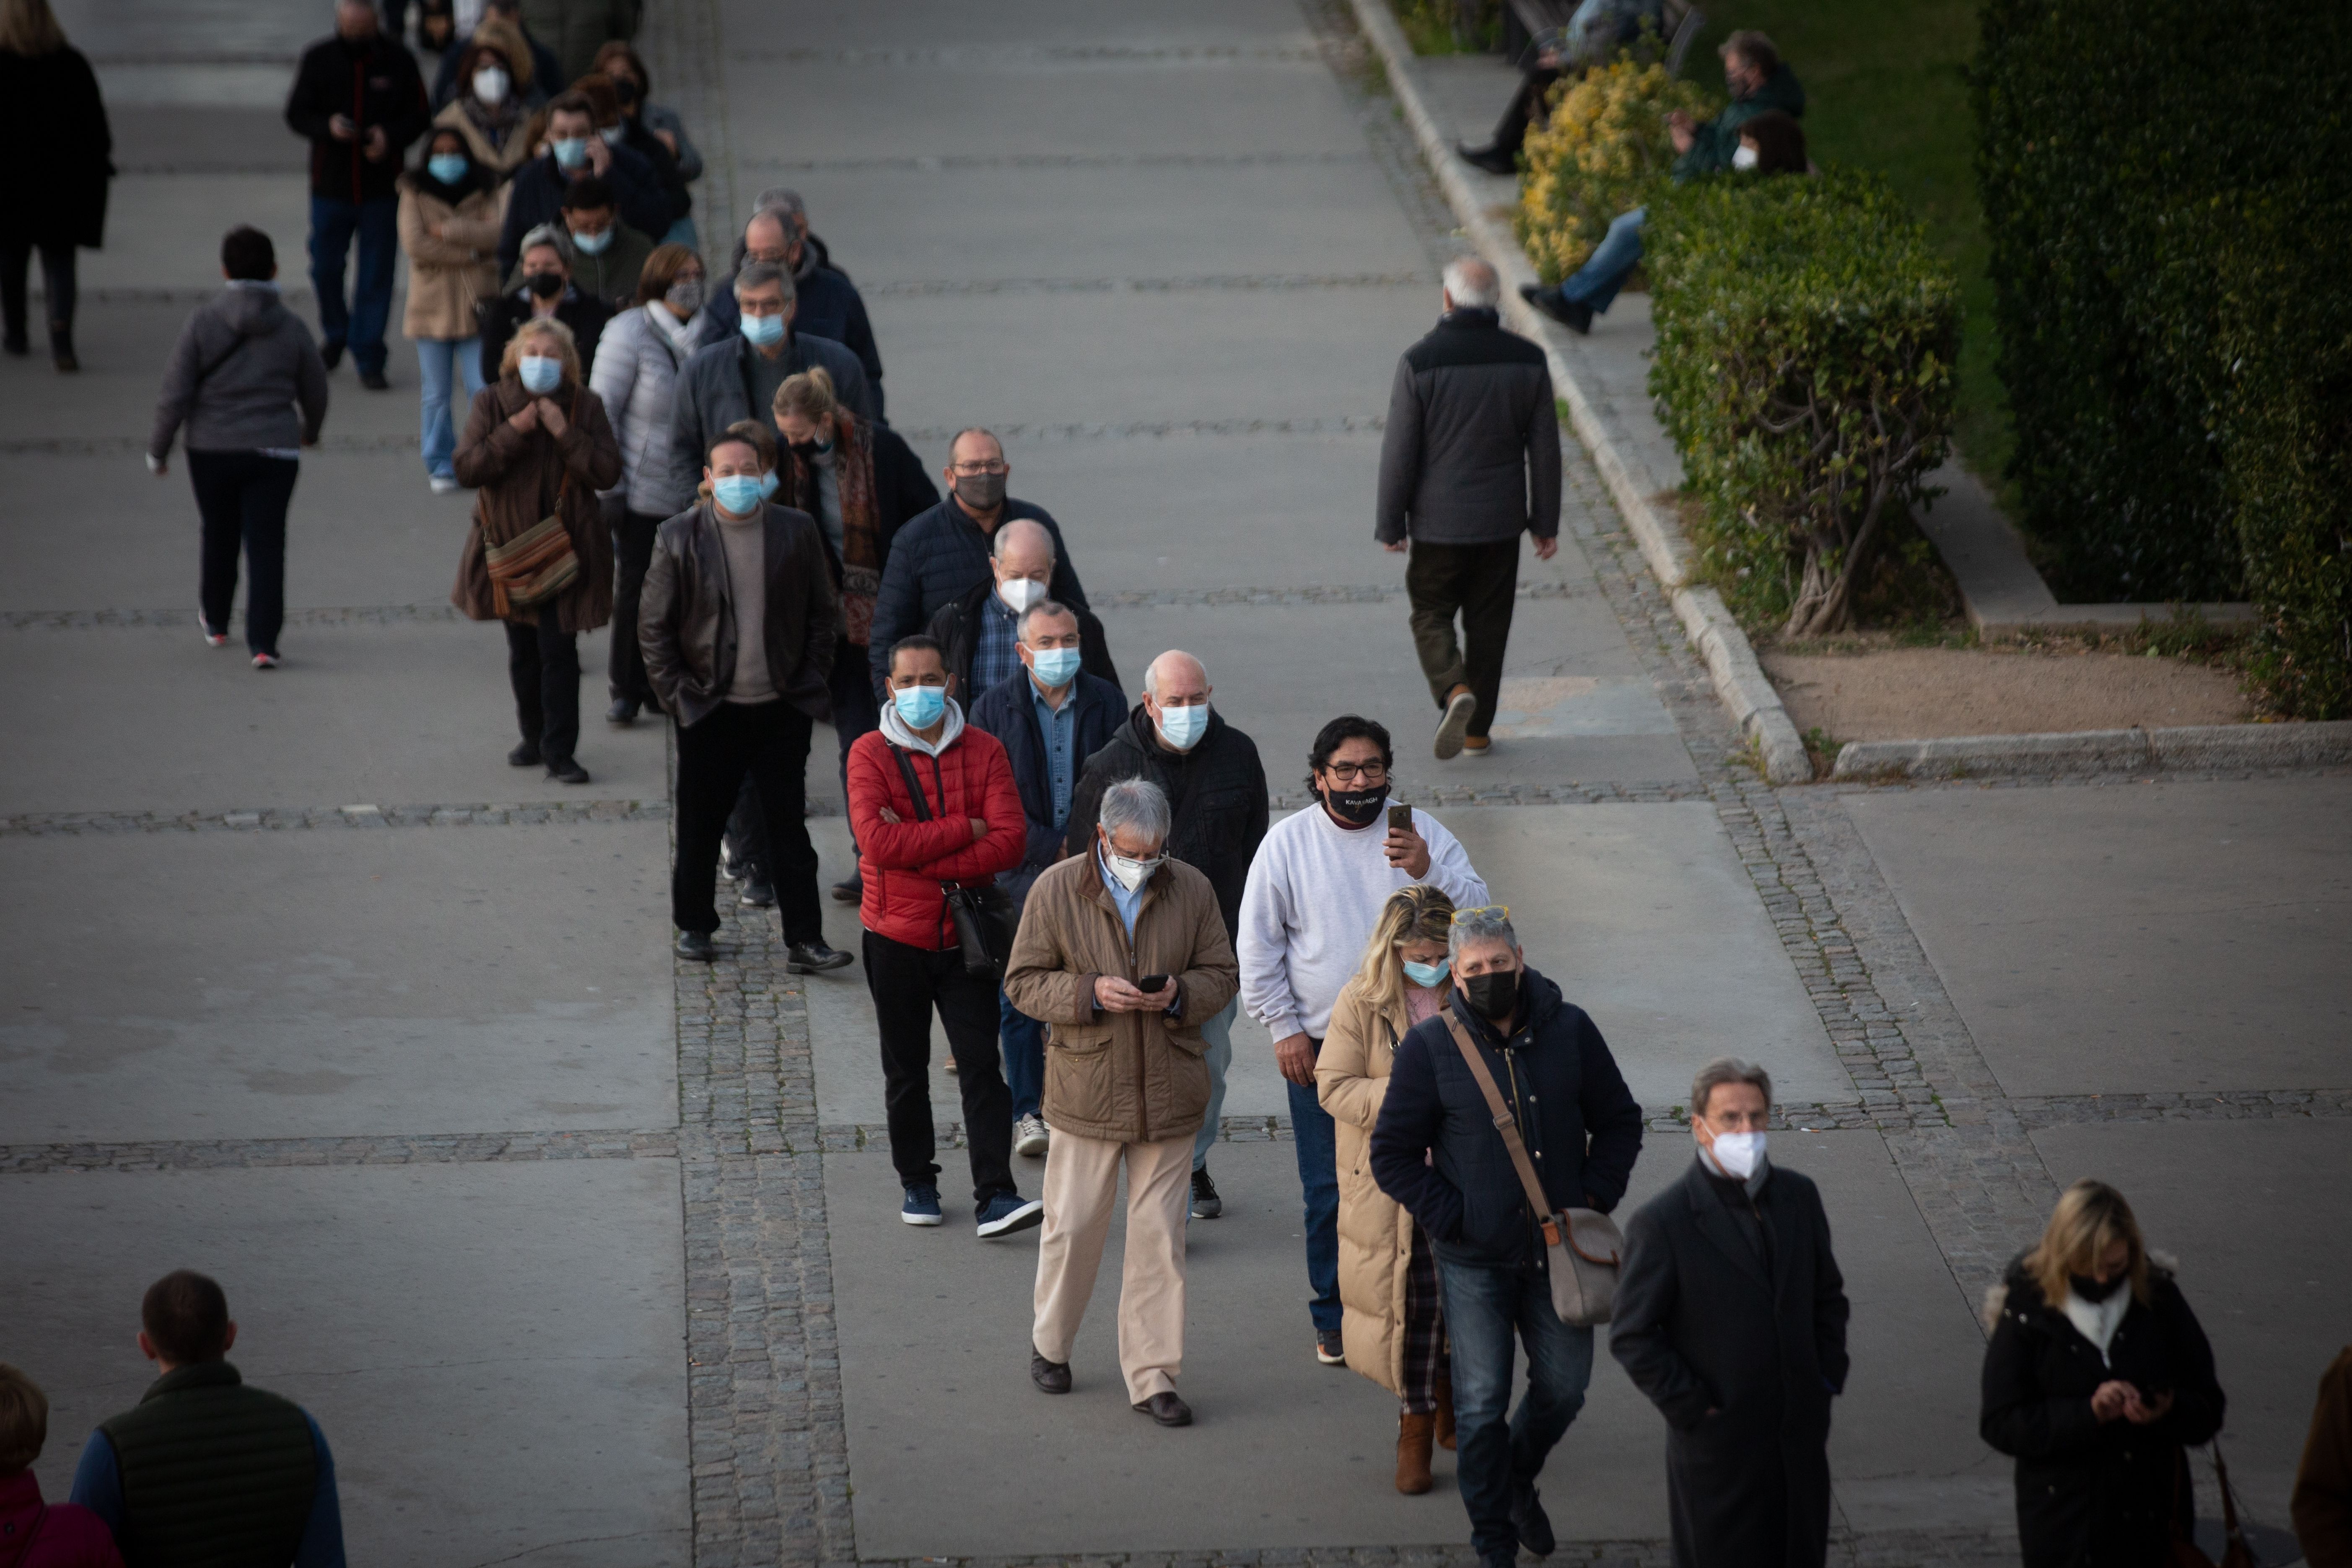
x=1081, y=1189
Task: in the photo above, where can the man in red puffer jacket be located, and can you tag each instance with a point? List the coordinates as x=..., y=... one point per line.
x=935, y=804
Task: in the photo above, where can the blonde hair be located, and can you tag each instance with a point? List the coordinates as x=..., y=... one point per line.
x=1419, y=913
x=545, y=326
x=809, y=394
x=23, y=1420
x=29, y=28
x=2091, y=1217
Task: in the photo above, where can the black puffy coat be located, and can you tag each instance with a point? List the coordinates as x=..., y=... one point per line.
x=936, y=560
x=374, y=83
x=496, y=320
x=57, y=197
x=2089, y=1493
x=1216, y=799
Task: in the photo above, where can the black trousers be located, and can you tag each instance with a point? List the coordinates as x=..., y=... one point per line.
x=632, y=551
x=242, y=498
x=543, y=667
x=854, y=711
x=1526, y=106
x=907, y=983
x=56, y=272
x=1481, y=583
x=768, y=742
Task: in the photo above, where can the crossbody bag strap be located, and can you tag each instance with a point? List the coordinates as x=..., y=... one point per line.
x=914, y=786
x=1507, y=1127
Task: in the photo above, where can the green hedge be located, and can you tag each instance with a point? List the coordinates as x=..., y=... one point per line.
x=1806, y=339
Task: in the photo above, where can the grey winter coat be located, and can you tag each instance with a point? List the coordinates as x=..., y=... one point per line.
x=1472, y=452
x=714, y=391
x=636, y=373
x=242, y=362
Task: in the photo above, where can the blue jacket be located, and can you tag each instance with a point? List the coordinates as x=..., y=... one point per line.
x=826, y=304
x=1007, y=712
x=537, y=197
x=935, y=560
x=1579, y=1120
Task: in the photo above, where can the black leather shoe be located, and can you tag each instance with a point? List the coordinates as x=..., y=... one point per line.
x=1052, y=1376
x=696, y=946
x=1528, y=1521
x=1167, y=1409
x=1492, y=159
x=850, y=891
x=1576, y=317
x=623, y=711
x=564, y=770
x=330, y=354
x=525, y=755
x=814, y=958
x=374, y=381
x=758, y=895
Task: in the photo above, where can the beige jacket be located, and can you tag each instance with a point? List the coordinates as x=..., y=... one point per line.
x=1352, y=1079
x=1129, y=1077
x=446, y=274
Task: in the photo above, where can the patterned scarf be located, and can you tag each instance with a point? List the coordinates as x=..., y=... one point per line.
x=861, y=523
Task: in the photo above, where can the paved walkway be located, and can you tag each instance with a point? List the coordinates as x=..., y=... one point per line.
x=584, y=1259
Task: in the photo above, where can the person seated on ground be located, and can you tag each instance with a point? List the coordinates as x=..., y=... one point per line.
x=494, y=112
x=545, y=289
x=608, y=257
x=1598, y=29
x=1760, y=82
x=533, y=71
x=1771, y=143
x=38, y=1534
x=651, y=129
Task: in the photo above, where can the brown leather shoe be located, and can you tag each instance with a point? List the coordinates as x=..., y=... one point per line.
x=1167, y=1409
x=1444, y=1392
x=1413, y=1432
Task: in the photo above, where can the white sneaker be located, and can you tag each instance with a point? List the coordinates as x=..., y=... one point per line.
x=443, y=484
x=1029, y=1137
x=1459, y=709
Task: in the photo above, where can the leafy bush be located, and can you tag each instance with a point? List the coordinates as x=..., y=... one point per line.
x=1806, y=338
x=1604, y=150
x=1451, y=26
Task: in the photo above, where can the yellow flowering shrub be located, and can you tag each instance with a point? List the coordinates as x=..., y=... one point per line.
x=1603, y=149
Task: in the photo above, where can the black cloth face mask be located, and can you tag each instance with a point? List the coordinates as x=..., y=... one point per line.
x=806, y=451
x=981, y=492
x=1491, y=995
x=1356, y=807
x=546, y=285
x=2092, y=1290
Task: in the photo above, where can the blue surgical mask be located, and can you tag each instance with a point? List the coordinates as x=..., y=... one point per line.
x=764, y=330
x=767, y=485
x=1055, y=665
x=739, y=493
x=921, y=706
x=447, y=167
x=1428, y=976
x=571, y=150
x=539, y=372
x=591, y=244
x=1183, y=727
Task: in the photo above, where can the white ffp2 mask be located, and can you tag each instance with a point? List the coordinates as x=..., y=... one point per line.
x=1740, y=1153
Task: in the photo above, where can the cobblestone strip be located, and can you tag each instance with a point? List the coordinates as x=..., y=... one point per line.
x=281, y=818
x=385, y=1148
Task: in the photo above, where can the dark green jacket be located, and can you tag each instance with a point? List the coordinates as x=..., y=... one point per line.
x=214, y=1474
x=1713, y=142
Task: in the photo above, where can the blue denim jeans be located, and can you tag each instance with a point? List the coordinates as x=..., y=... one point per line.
x=1485, y=1308
x=1611, y=262
x=1318, y=1179
x=360, y=324
x=1022, y=1038
x=1219, y=1033
x=436, y=360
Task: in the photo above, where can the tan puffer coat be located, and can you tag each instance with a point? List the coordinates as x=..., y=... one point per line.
x=1129, y=1077
x=1352, y=1079
x=448, y=273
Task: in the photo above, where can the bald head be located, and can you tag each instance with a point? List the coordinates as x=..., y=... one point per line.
x=1176, y=675
x=1471, y=285
x=1023, y=539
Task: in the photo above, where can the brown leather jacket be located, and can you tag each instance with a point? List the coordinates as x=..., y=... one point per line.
x=1129, y=1078
x=686, y=621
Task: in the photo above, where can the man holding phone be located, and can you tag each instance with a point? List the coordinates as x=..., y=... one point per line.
x=1314, y=894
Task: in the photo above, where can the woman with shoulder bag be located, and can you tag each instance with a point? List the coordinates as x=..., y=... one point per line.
x=537, y=448
x=2096, y=1378
x=1390, y=1322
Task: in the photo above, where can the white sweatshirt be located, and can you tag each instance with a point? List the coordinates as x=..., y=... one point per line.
x=1314, y=894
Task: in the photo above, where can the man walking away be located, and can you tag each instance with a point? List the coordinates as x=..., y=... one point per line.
x=1313, y=896
x=1124, y=953
x=204, y=1468
x=358, y=98
x=1437, y=1150
x=1051, y=716
x=935, y=807
x=1730, y=1315
x=1216, y=792
x=1471, y=460
x=243, y=365
x=736, y=624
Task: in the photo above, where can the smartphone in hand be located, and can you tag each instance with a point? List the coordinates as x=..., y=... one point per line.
x=1400, y=819
x=1151, y=982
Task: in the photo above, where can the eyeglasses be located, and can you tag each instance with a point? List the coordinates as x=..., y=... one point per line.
x=1349, y=773
x=1503, y=910
x=998, y=467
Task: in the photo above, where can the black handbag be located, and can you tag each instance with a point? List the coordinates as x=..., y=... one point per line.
x=985, y=917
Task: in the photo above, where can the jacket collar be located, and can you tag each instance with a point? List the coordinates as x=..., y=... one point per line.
x=1144, y=736
x=197, y=1374
x=1472, y=317
x=1154, y=885
x=1716, y=1223
x=897, y=730
x=1540, y=996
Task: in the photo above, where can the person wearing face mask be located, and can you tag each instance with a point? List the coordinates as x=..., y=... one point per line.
x=2096, y=1378
x=652, y=130
x=1438, y=1148
x=494, y=108
x=537, y=447
x=1314, y=892
x=1052, y=715
x=1122, y=952
x=359, y=99
x=543, y=293
x=533, y=73
x=934, y=805
x=829, y=305
x=978, y=630
x=574, y=152
x=449, y=211
x=1392, y=1326
x=608, y=257
x=1215, y=786
x=1731, y=1315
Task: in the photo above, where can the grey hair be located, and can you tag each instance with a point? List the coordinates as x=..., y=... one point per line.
x=957, y=439
x=779, y=199
x=1135, y=802
x=1472, y=285
x=1723, y=1070
x=554, y=235
x=1004, y=533
x=1042, y=607
x=760, y=274
x=1472, y=927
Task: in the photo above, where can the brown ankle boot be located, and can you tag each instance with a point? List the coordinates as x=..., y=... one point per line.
x=1444, y=1392
x=1413, y=1454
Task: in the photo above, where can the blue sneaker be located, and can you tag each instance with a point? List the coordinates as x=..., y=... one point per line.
x=1009, y=1212
x=921, y=1207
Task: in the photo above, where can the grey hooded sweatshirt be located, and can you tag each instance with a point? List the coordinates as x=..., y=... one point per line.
x=242, y=362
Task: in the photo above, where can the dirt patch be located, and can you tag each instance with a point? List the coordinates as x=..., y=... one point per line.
x=1920, y=693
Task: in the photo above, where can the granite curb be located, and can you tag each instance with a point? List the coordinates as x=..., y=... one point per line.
x=1739, y=681
x=2200, y=746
